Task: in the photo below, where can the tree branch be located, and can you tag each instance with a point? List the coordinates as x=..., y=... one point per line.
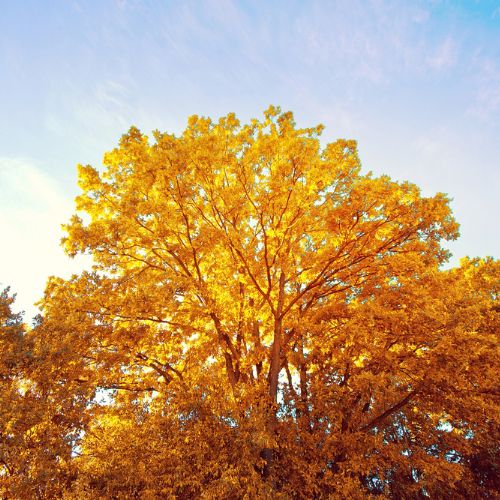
x=387, y=413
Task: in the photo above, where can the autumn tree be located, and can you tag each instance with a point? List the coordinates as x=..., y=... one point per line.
x=36, y=440
x=263, y=319
x=12, y=358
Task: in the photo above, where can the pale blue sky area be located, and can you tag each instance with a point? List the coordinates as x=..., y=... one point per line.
x=416, y=83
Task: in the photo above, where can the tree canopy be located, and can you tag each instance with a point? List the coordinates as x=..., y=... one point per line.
x=262, y=320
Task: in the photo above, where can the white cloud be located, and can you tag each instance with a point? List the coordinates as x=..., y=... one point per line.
x=487, y=97
x=444, y=56
x=104, y=109
x=32, y=208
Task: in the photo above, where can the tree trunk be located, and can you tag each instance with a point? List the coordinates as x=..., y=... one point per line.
x=274, y=371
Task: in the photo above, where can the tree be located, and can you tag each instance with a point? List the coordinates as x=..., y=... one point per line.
x=36, y=440
x=262, y=319
x=11, y=361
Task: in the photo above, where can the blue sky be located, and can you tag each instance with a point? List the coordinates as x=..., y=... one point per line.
x=416, y=83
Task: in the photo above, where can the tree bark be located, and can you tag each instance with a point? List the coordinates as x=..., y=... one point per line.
x=275, y=365
x=273, y=377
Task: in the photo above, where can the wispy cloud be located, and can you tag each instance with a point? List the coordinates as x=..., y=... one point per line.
x=444, y=56
x=487, y=89
x=30, y=221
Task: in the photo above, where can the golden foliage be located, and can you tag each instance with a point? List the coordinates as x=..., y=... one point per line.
x=264, y=321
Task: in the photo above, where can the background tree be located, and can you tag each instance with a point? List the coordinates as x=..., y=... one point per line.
x=35, y=445
x=12, y=358
x=264, y=320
